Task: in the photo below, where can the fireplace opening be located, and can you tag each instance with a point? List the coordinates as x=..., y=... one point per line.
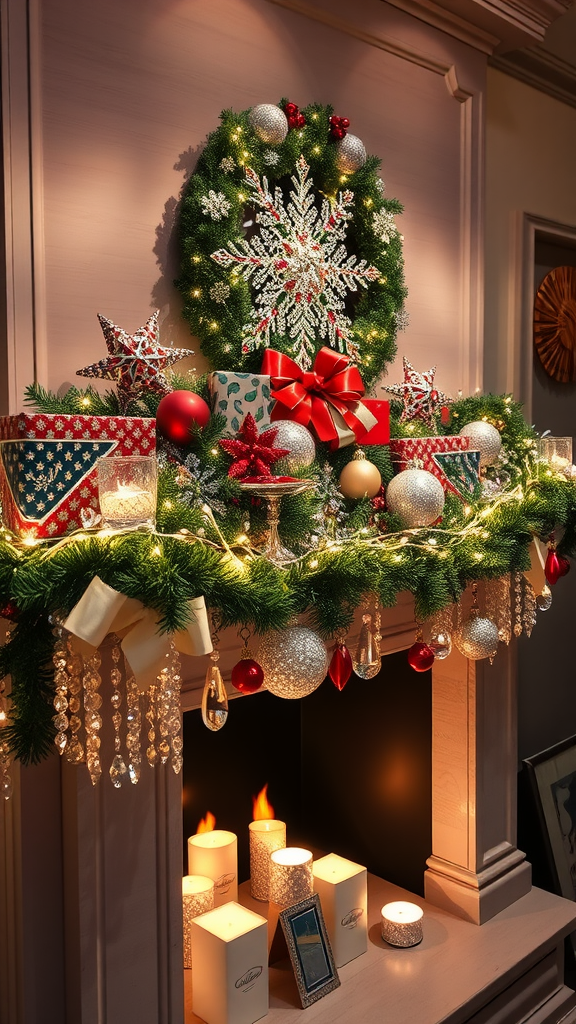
x=348, y=772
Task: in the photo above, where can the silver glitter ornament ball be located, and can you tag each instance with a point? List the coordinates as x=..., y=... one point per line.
x=350, y=154
x=299, y=442
x=484, y=438
x=294, y=661
x=417, y=496
x=477, y=638
x=269, y=122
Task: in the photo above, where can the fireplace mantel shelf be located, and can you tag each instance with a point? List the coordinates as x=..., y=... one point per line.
x=459, y=974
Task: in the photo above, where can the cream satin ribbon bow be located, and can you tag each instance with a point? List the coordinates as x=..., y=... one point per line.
x=102, y=610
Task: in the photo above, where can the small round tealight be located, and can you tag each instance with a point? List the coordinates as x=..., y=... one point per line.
x=402, y=924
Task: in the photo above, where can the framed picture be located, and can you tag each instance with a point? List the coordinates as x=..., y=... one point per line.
x=309, y=949
x=552, y=777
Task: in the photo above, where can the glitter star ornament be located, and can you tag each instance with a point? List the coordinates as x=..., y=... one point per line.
x=253, y=454
x=421, y=399
x=135, y=361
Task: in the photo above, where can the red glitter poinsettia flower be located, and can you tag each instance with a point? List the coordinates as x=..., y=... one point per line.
x=253, y=454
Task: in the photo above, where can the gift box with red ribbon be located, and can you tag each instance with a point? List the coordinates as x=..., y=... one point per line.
x=48, y=466
x=448, y=458
x=326, y=399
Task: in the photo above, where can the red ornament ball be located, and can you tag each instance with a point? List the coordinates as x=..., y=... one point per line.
x=340, y=668
x=247, y=676
x=178, y=412
x=556, y=566
x=420, y=657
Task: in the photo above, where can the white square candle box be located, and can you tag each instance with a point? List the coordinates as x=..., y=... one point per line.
x=342, y=888
x=230, y=965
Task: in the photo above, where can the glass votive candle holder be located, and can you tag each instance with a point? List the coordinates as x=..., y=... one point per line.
x=291, y=876
x=555, y=455
x=402, y=924
x=127, y=491
x=197, y=898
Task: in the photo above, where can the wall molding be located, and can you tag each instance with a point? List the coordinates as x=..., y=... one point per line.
x=526, y=228
x=542, y=70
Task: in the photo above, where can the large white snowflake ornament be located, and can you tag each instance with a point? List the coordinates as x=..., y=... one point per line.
x=299, y=268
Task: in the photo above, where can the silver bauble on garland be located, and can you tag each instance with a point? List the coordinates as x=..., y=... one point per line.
x=477, y=637
x=485, y=438
x=299, y=442
x=417, y=496
x=294, y=661
x=269, y=122
x=350, y=154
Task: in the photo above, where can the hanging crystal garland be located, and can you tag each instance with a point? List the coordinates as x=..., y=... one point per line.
x=528, y=608
x=118, y=769
x=74, y=752
x=497, y=596
x=367, y=661
x=60, y=719
x=214, y=696
x=168, y=711
x=150, y=715
x=439, y=631
x=133, y=728
x=517, y=614
x=92, y=720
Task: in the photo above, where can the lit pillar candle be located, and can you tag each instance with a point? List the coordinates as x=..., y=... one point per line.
x=197, y=898
x=216, y=854
x=266, y=836
x=402, y=923
x=342, y=888
x=291, y=878
x=230, y=965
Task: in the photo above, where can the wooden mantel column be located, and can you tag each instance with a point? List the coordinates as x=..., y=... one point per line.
x=475, y=870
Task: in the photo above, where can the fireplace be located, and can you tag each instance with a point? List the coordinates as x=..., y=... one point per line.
x=349, y=771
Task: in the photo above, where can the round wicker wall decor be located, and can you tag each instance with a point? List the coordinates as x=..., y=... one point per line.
x=555, y=324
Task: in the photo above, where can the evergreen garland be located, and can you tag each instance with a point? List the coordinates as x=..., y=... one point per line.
x=197, y=552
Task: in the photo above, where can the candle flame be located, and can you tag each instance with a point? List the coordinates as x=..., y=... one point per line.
x=206, y=824
x=261, y=809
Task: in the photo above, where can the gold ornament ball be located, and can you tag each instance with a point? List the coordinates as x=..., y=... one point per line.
x=269, y=122
x=360, y=478
x=477, y=638
x=485, y=438
x=417, y=496
x=350, y=154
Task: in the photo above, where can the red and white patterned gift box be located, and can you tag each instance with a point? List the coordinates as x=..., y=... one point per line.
x=405, y=449
x=48, y=466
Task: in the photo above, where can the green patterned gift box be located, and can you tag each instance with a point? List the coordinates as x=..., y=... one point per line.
x=234, y=395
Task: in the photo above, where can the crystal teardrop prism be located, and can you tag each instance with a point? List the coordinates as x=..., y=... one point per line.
x=214, y=700
x=367, y=661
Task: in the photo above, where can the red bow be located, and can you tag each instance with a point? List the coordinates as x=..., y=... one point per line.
x=327, y=398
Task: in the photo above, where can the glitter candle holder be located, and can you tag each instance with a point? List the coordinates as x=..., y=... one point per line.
x=291, y=876
x=127, y=491
x=554, y=455
x=266, y=836
x=216, y=854
x=402, y=924
x=197, y=898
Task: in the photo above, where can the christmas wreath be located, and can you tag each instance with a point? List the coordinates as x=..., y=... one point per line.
x=289, y=241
